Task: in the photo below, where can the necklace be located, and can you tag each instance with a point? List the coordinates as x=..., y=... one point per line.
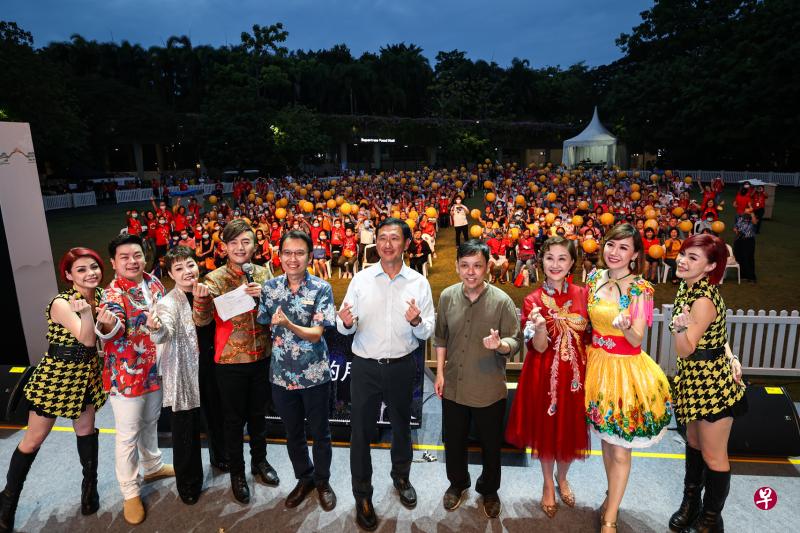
x=547, y=288
x=614, y=281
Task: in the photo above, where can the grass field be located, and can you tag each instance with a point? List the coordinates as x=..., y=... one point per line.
x=777, y=253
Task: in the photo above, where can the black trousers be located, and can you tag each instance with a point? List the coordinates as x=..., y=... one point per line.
x=444, y=220
x=211, y=404
x=243, y=388
x=295, y=407
x=744, y=250
x=371, y=382
x=759, y=213
x=462, y=232
x=186, y=451
x=417, y=262
x=489, y=424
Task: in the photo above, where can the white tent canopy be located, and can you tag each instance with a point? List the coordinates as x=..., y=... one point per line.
x=595, y=144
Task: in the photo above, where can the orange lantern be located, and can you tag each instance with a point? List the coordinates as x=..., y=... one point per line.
x=475, y=231
x=475, y=213
x=411, y=223
x=651, y=223
x=583, y=205
x=345, y=208
x=212, y=199
x=488, y=184
x=577, y=221
x=635, y=196
x=606, y=219
x=590, y=246
x=551, y=197
x=520, y=200
x=431, y=212
x=655, y=251
x=490, y=197
x=331, y=204
x=718, y=226
x=685, y=226
x=650, y=213
x=549, y=218
x=635, y=187
x=280, y=213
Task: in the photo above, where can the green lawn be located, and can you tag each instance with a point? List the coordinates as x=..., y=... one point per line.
x=777, y=256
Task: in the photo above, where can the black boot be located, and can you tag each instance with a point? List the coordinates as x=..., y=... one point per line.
x=710, y=520
x=87, y=450
x=692, y=489
x=15, y=479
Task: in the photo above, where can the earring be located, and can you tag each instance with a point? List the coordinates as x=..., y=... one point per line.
x=632, y=265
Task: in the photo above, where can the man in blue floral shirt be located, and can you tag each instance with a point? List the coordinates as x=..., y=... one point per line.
x=298, y=307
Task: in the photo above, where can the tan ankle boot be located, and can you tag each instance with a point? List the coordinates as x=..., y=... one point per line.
x=133, y=510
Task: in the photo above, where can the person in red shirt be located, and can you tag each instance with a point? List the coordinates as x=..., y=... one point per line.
x=134, y=226
x=179, y=219
x=497, y=259
x=275, y=234
x=337, y=240
x=743, y=197
x=162, y=234
x=651, y=264
x=526, y=255
x=759, y=203
x=444, y=211
x=717, y=186
x=349, y=253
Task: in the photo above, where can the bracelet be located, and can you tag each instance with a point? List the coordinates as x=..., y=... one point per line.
x=681, y=329
x=734, y=356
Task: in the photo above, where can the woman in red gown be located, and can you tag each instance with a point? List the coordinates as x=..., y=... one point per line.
x=548, y=414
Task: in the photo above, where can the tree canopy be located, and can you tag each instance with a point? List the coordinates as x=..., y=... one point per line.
x=707, y=83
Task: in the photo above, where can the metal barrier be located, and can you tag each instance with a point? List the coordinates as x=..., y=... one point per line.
x=788, y=179
x=60, y=201
x=84, y=199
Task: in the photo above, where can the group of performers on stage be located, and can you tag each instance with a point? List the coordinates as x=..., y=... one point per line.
x=585, y=370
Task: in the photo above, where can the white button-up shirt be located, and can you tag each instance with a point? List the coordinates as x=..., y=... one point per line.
x=379, y=305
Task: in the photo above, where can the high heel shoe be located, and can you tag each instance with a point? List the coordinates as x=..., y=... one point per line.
x=549, y=510
x=566, y=494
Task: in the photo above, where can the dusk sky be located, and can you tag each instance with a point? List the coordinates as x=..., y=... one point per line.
x=546, y=33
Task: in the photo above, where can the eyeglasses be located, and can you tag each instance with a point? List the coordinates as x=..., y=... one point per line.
x=294, y=253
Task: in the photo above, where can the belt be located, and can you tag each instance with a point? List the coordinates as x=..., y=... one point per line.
x=707, y=354
x=79, y=352
x=387, y=360
x=615, y=344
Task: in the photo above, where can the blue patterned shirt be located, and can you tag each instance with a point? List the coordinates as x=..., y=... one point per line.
x=298, y=363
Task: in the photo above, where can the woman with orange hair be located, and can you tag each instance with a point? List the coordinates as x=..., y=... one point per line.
x=66, y=382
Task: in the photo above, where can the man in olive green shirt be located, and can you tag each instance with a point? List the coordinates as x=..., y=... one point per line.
x=477, y=329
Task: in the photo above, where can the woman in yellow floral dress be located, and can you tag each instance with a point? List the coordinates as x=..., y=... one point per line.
x=627, y=394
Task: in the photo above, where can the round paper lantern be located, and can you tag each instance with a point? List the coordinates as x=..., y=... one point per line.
x=251, y=197
x=590, y=246
x=551, y=197
x=650, y=213
x=413, y=215
x=655, y=251
x=610, y=192
x=303, y=191
x=654, y=178
x=308, y=207
x=475, y=213
x=678, y=211
x=411, y=223
x=431, y=212
x=668, y=173
x=259, y=200
x=490, y=197
x=316, y=194
x=283, y=202
x=459, y=184
x=583, y=205
x=474, y=177
x=534, y=188
x=636, y=196
x=270, y=196
x=577, y=221
x=488, y=184
x=514, y=233
x=212, y=199
x=635, y=187
x=331, y=204
x=327, y=194
x=606, y=219
x=687, y=180
x=685, y=226
x=651, y=223
x=718, y=226
x=509, y=182
x=434, y=185
x=280, y=213
x=345, y=208
x=519, y=200
x=475, y=231
x=549, y=218
x=339, y=200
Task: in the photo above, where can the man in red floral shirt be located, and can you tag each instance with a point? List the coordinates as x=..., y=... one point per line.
x=130, y=374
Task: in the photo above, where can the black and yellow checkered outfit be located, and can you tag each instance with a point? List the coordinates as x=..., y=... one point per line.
x=68, y=378
x=704, y=386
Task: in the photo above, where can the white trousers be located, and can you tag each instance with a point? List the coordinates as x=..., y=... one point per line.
x=136, y=421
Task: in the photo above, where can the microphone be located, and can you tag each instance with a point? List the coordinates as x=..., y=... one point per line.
x=247, y=268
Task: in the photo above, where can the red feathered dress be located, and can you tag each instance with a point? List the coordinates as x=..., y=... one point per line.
x=548, y=414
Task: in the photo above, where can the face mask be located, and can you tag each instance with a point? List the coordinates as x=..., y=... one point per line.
x=322, y=237
x=134, y=215
x=316, y=224
x=337, y=225
x=184, y=237
x=199, y=229
x=206, y=236
x=162, y=221
x=162, y=207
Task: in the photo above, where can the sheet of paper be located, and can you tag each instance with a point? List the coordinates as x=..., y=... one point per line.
x=234, y=303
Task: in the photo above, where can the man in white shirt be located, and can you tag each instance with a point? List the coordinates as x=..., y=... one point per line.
x=459, y=214
x=389, y=308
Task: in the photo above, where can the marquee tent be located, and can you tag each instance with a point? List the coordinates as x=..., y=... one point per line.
x=594, y=144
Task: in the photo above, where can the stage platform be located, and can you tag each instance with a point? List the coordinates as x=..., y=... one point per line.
x=50, y=500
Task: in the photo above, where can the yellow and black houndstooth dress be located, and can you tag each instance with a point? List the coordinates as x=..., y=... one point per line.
x=69, y=375
x=704, y=385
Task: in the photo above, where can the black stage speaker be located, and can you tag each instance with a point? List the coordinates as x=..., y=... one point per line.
x=770, y=427
x=13, y=405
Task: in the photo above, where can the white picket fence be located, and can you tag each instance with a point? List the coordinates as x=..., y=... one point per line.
x=790, y=179
x=766, y=342
x=143, y=195
x=65, y=201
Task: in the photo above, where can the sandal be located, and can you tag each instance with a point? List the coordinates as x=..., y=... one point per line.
x=604, y=523
x=566, y=494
